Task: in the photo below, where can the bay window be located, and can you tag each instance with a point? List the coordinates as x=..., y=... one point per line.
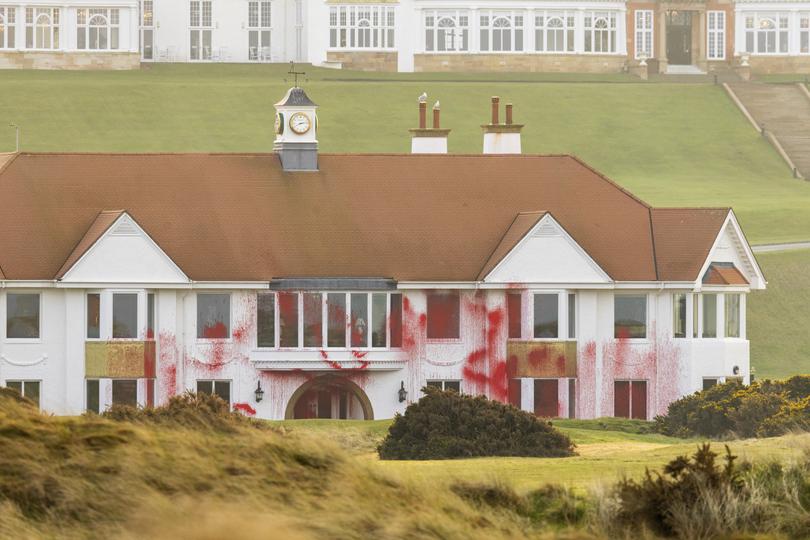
x=42, y=28
x=97, y=29
x=8, y=22
x=716, y=22
x=554, y=31
x=446, y=31
x=767, y=33
x=361, y=27
x=501, y=31
x=213, y=316
x=600, y=32
x=259, y=25
x=334, y=320
x=630, y=316
x=22, y=315
x=644, y=33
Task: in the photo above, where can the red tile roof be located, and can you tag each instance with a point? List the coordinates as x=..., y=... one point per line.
x=723, y=274
x=410, y=217
x=521, y=225
x=103, y=221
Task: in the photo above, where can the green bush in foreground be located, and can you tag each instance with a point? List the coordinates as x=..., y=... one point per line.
x=447, y=425
x=762, y=409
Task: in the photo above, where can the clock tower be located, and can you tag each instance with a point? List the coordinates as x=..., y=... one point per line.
x=296, y=129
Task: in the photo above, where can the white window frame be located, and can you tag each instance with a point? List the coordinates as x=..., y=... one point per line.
x=804, y=33
x=43, y=22
x=563, y=330
x=437, y=22
x=594, y=31
x=203, y=24
x=260, y=28
x=24, y=382
x=227, y=339
x=8, y=27
x=644, y=20
x=646, y=296
x=752, y=22
x=444, y=383
x=35, y=340
x=98, y=21
x=490, y=24
x=716, y=35
x=213, y=387
x=147, y=27
x=542, y=30
x=362, y=27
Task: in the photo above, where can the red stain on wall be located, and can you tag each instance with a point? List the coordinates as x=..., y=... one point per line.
x=586, y=381
x=167, y=366
x=485, y=368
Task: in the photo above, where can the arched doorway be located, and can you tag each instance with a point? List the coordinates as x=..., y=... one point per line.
x=329, y=396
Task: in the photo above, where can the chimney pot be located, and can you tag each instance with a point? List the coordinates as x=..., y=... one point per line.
x=436, y=113
x=495, y=106
x=422, y=115
x=509, y=113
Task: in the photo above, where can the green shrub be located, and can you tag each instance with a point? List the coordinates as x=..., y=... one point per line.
x=447, y=425
x=766, y=408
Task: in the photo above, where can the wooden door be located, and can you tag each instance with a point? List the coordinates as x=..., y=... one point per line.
x=546, y=397
x=679, y=37
x=638, y=400
x=621, y=399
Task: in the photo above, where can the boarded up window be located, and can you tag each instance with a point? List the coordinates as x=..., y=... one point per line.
x=513, y=309
x=443, y=315
x=546, y=397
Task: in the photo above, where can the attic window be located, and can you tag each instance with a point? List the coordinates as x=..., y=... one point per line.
x=443, y=315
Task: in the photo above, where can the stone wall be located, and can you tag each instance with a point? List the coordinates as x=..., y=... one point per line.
x=560, y=63
x=764, y=65
x=69, y=60
x=364, y=60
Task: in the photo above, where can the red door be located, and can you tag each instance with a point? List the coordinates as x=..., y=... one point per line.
x=630, y=399
x=621, y=399
x=638, y=399
x=545, y=398
x=514, y=392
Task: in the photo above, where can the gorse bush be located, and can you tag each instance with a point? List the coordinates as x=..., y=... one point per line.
x=762, y=409
x=447, y=425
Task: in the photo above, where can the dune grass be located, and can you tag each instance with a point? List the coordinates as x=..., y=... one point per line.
x=671, y=144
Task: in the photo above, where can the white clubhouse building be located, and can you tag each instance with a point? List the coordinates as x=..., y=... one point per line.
x=297, y=284
x=765, y=36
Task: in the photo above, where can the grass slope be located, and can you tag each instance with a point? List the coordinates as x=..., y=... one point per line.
x=671, y=144
x=779, y=317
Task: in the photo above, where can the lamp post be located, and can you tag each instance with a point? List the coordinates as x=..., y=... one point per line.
x=259, y=392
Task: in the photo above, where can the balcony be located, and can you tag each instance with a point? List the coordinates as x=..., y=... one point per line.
x=119, y=359
x=542, y=359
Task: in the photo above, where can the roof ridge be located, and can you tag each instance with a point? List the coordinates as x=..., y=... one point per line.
x=272, y=153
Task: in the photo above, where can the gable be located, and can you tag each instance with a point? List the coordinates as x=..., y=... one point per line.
x=547, y=254
x=122, y=253
x=731, y=248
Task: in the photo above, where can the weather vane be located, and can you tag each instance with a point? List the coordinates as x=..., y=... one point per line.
x=295, y=74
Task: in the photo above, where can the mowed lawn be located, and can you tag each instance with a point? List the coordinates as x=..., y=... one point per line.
x=671, y=144
x=608, y=449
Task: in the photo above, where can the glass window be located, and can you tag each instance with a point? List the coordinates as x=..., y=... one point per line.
x=22, y=315
x=709, y=315
x=445, y=385
x=767, y=33
x=266, y=320
x=336, y=319
x=679, y=315
x=644, y=33
x=361, y=27
x=443, y=315
x=125, y=316
x=572, y=316
x=288, y=319
x=709, y=383
x=93, y=316
x=546, y=316
x=259, y=23
x=630, y=316
x=446, y=31
x=513, y=314
x=217, y=388
x=41, y=28
x=150, y=316
x=8, y=21
x=359, y=320
x=554, y=32
x=28, y=389
x=213, y=316
x=396, y=320
x=92, y=396
x=732, y=315
x=695, y=316
x=313, y=315
x=125, y=392
x=97, y=28
x=501, y=31
x=600, y=32
x=804, y=33
x=379, y=301
x=716, y=49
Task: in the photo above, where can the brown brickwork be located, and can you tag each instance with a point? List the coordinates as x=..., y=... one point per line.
x=763, y=65
x=364, y=60
x=69, y=60
x=560, y=63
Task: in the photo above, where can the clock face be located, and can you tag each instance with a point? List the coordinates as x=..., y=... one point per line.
x=300, y=123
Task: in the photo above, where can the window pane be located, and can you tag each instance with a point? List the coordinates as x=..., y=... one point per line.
x=443, y=315
x=453, y=385
x=359, y=318
x=709, y=315
x=513, y=313
x=223, y=390
x=379, y=301
x=630, y=316
x=15, y=385
x=205, y=387
x=92, y=396
x=709, y=383
x=434, y=384
x=93, y=316
x=266, y=320
x=679, y=315
x=313, y=323
x=125, y=316
x=288, y=319
x=396, y=320
x=733, y=315
x=31, y=391
x=336, y=319
x=695, y=319
x=213, y=316
x=572, y=316
x=150, y=316
x=546, y=312
x=22, y=316
x=125, y=392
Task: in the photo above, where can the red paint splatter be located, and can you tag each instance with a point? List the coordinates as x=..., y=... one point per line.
x=244, y=408
x=485, y=368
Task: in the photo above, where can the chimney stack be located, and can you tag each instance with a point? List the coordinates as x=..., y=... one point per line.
x=501, y=138
x=429, y=140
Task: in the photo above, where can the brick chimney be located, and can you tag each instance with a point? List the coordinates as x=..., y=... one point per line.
x=501, y=138
x=429, y=140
